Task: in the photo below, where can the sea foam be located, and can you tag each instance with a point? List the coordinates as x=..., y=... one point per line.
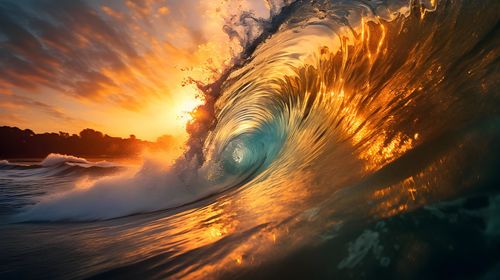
x=150, y=188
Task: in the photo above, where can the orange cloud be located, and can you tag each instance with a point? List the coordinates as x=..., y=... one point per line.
x=163, y=10
x=115, y=63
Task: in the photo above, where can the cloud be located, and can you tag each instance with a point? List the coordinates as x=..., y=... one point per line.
x=114, y=54
x=124, y=57
x=62, y=46
x=77, y=48
x=14, y=105
x=11, y=118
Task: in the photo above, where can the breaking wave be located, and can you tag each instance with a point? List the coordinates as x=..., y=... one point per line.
x=352, y=100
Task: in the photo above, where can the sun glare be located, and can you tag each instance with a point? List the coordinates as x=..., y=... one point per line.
x=187, y=102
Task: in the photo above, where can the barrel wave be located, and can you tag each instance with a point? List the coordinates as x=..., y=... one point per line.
x=349, y=138
x=345, y=90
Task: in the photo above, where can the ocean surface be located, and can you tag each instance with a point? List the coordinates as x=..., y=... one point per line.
x=351, y=140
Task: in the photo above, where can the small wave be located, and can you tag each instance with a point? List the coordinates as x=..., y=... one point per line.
x=56, y=159
x=7, y=165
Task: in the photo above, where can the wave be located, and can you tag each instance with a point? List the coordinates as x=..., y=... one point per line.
x=58, y=159
x=54, y=160
x=6, y=165
x=349, y=93
x=4, y=162
x=149, y=189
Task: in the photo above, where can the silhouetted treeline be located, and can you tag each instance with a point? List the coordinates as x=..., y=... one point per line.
x=18, y=143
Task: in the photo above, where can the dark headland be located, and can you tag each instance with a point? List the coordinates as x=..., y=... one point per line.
x=24, y=143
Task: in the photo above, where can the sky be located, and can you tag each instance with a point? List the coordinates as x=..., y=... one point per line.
x=115, y=66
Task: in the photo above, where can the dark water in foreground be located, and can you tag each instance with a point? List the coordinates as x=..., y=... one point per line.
x=235, y=235
x=359, y=141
